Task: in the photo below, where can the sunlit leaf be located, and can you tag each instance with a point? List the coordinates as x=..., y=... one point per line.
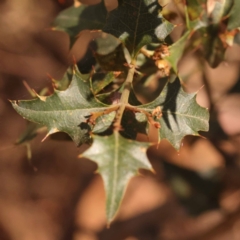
x=181, y=115
x=176, y=51
x=67, y=111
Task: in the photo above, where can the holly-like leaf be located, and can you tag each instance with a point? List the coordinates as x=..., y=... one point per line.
x=67, y=111
x=138, y=23
x=118, y=161
x=181, y=115
x=75, y=19
x=65, y=81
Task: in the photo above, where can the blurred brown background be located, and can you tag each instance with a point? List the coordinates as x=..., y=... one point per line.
x=195, y=194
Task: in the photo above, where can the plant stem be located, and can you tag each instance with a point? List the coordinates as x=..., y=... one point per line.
x=124, y=98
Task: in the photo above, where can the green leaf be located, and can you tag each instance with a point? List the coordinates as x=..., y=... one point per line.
x=220, y=10
x=33, y=129
x=65, y=81
x=75, y=19
x=176, y=51
x=181, y=115
x=111, y=55
x=234, y=20
x=207, y=30
x=137, y=23
x=212, y=46
x=118, y=161
x=195, y=8
x=67, y=111
x=196, y=14
x=237, y=38
x=100, y=80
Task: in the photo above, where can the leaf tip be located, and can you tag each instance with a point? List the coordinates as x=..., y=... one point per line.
x=74, y=64
x=76, y=4
x=108, y=225
x=13, y=102
x=42, y=98
x=29, y=89
x=51, y=29
x=202, y=137
x=152, y=170
x=51, y=131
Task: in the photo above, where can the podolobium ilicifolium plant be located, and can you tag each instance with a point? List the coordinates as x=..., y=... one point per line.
x=131, y=47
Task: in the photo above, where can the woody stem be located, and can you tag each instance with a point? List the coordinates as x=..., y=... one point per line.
x=124, y=98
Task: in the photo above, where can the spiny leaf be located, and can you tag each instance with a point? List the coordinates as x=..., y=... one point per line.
x=33, y=129
x=65, y=81
x=181, y=115
x=67, y=111
x=83, y=17
x=118, y=161
x=137, y=23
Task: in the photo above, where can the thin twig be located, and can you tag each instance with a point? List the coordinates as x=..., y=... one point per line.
x=124, y=98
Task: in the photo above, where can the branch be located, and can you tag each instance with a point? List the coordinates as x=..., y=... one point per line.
x=124, y=98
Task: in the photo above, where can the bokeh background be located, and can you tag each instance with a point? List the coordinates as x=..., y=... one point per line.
x=193, y=194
